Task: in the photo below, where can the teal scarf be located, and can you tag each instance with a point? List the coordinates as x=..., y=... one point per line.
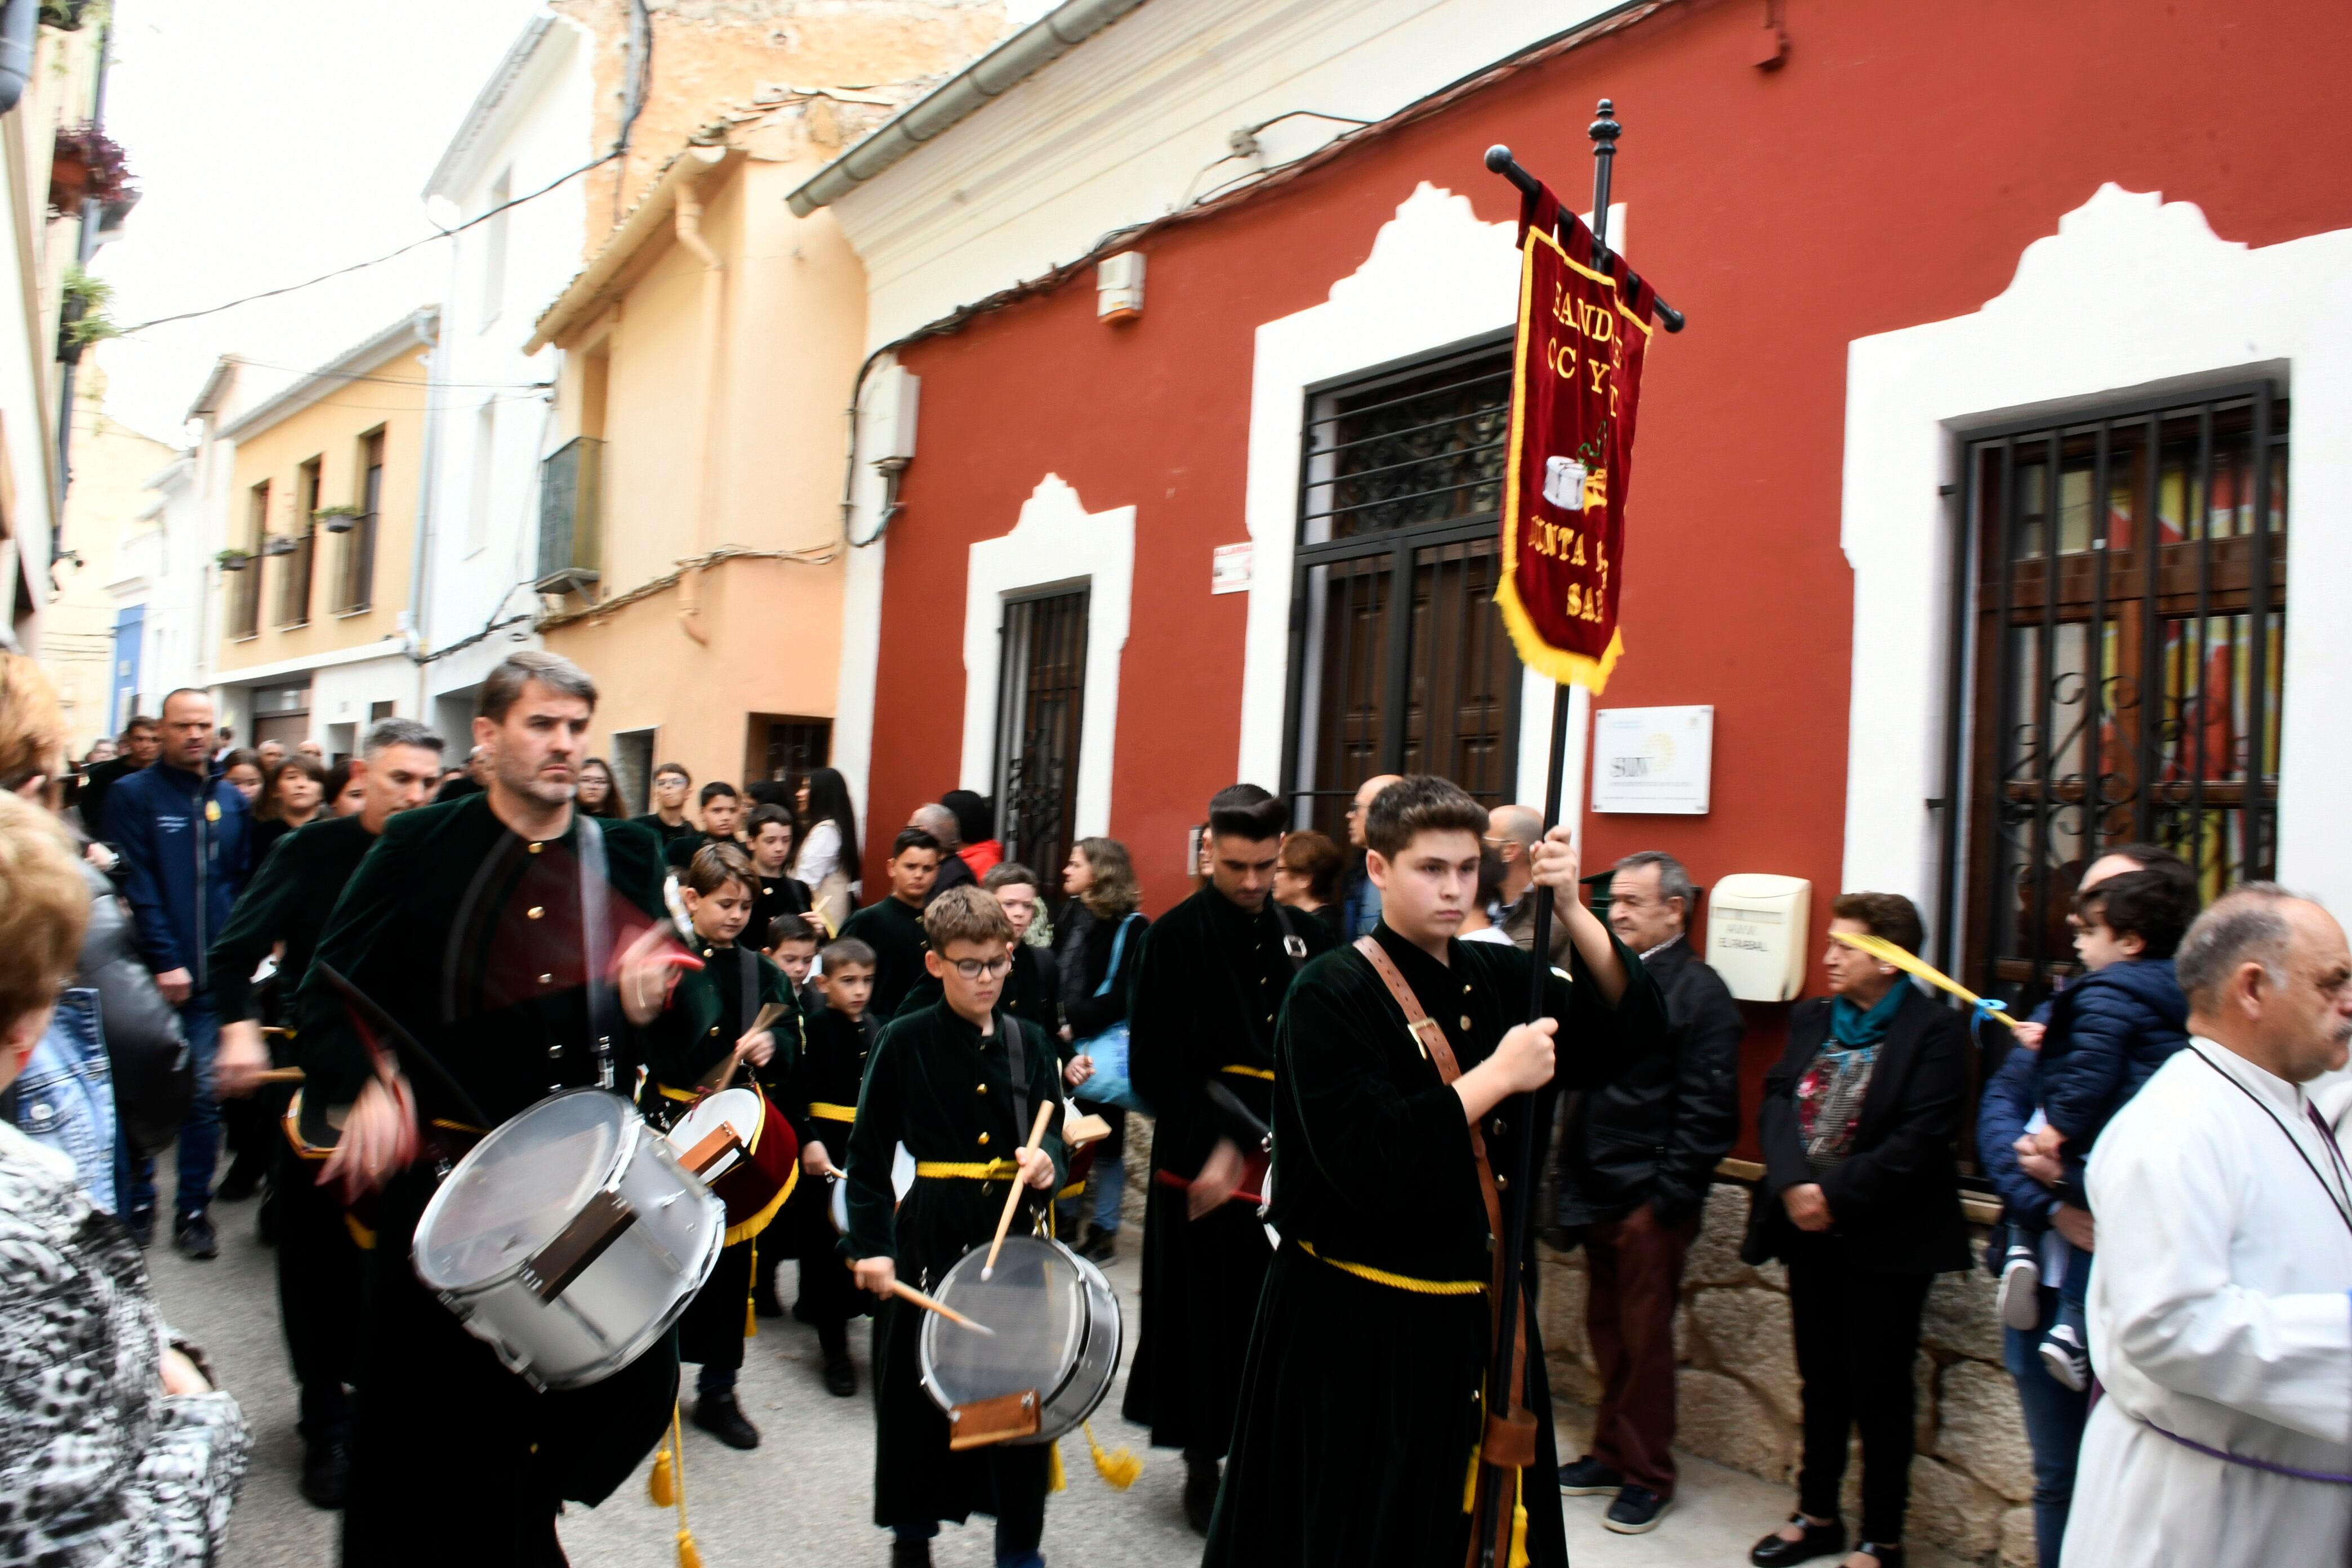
x=1851, y=1026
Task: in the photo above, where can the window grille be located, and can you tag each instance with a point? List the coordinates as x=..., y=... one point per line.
x=1040, y=712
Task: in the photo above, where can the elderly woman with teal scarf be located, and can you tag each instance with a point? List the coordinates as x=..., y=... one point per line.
x=1861, y=1200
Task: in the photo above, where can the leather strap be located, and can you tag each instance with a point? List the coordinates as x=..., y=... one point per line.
x=596, y=938
x=1509, y=1438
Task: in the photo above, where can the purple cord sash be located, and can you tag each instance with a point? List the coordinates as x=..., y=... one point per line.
x=2251, y=1464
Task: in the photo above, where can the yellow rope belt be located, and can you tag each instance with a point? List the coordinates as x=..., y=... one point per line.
x=1399, y=1282
x=1248, y=1071
x=824, y=1112
x=968, y=1171
x=688, y=1095
x=1074, y=1190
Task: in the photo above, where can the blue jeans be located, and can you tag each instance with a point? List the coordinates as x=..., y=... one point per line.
x=1110, y=1181
x=2054, y=1415
x=199, y=1134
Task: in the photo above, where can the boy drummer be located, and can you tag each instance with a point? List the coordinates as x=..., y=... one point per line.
x=720, y=1004
x=959, y=1083
x=822, y=1100
x=1363, y=1399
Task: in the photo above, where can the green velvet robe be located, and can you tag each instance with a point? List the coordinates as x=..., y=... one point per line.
x=936, y=1085
x=895, y=932
x=831, y=1071
x=287, y=900
x=471, y=937
x=1362, y=1402
x=1208, y=988
x=708, y=1003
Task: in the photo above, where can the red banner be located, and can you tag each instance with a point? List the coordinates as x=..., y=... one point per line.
x=1576, y=382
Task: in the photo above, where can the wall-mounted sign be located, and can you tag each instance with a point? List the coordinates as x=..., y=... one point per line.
x=1229, y=569
x=1653, y=759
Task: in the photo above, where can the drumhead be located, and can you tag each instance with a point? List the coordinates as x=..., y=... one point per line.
x=1057, y=1328
x=518, y=1187
x=738, y=1107
x=902, y=1178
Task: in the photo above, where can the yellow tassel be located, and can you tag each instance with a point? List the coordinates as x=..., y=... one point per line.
x=688, y=1557
x=1519, y=1557
x=1121, y=1468
x=751, y=1301
x=662, y=1484
x=1055, y=1479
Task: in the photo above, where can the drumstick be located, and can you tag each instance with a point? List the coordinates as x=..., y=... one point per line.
x=768, y=1015
x=906, y=1292
x=1013, y=1198
x=1885, y=951
x=279, y=1075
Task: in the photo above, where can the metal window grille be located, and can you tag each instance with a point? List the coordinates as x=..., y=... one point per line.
x=355, y=585
x=786, y=748
x=2126, y=576
x=571, y=507
x=294, y=576
x=244, y=584
x=1040, y=710
x=1399, y=661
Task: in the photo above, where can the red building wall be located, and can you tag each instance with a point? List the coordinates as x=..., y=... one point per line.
x=1888, y=174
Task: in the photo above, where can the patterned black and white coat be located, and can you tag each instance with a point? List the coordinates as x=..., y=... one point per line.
x=98, y=1464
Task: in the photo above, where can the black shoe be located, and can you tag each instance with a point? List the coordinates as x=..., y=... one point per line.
x=840, y=1376
x=914, y=1553
x=241, y=1182
x=192, y=1238
x=719, y=1414
x=1588, y=1477
x=325, y=1473
x=1200, y=1493
x=1636, y=1511
x=1102, y=1246
x=141, y=1224
x=1819, y=1540
x=1888, y=1556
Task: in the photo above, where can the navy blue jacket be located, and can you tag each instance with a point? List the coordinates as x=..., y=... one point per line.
x=2108, y=1032
x=185, y=842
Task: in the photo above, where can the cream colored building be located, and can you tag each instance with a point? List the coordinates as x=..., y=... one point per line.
x=310, y=593
x=690, y=531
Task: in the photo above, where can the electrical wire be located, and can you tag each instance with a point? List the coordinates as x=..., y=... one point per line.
x=388, y=256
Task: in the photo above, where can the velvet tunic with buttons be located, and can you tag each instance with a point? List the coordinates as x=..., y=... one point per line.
x=1208, y=989
x=1361, y=1401
x=831, y=1069
x=287, y=902
x=936, y=1085
x=895, y=932
x=470, y=936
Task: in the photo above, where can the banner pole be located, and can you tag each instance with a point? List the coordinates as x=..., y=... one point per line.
x=1500, y=1495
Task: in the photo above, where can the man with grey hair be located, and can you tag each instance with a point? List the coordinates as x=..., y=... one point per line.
x=285, y=907
x=940, y=823
x=1636, y=1160
x=2219, y=1319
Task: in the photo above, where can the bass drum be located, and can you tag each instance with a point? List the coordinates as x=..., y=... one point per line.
x=570, y=1240
x=902, y=1180
x=1058, y=1332
x=758, y=1157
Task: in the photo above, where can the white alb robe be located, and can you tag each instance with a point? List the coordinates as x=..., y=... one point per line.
x=2221, y=1308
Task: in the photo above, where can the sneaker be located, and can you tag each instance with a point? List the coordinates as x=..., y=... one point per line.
x=2018, y=1298
x=1636, y=1511
x=719, y=1414
x=1589, y=1478
x=2065, y=1358
x=141, y=1224
x=192, y=1238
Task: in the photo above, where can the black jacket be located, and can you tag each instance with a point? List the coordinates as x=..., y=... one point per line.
x=1654, y=1133
x=1896, y=1202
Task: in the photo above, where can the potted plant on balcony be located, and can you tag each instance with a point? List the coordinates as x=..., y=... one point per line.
x=336, y=519
x=86, y=164
x=232, y=560
x=277, y=544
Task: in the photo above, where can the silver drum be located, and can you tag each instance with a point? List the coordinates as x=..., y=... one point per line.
x=570, y=1240
x=1058, y=1331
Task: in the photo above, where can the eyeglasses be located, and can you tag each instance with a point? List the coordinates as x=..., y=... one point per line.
x=973, y=968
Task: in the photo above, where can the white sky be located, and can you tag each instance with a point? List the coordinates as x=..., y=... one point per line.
x=274, y=139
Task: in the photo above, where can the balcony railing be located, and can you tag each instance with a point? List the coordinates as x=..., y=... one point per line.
x=571, y=514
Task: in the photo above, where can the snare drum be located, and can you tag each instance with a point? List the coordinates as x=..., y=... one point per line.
x=756, y=1163
x=570, y=1240
x=902, y=1180
x=1054, y=1349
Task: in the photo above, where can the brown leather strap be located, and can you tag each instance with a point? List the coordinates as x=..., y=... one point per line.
x=1509, y=1439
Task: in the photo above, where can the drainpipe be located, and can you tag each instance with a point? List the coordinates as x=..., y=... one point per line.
x=84, y=249
x=420, y=557
x=714, y=326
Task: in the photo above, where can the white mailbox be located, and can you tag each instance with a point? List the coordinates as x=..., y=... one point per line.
x=1756, y=934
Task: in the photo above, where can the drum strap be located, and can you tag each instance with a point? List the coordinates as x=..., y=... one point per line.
x=1509, y=1438
x=596, y=938
x=1017, y=1058
x=747, y=960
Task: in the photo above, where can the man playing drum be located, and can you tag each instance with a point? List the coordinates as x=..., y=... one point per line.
x=957, y=1082
x=1363, y=1404
x=1208, y=988
x=717, y=1045
x=472, y=923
